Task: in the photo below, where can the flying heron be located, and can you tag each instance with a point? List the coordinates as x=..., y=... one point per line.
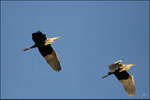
x=127, y=80
x=44, y=47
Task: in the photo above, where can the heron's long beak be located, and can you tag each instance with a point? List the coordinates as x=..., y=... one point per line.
x=54, y=38
x=130, y=64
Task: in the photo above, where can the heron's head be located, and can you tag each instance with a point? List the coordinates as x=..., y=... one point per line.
x=54, y=38
x=131, y=65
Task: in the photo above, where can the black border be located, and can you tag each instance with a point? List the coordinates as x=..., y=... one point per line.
x=74, y=0
x=84, y=1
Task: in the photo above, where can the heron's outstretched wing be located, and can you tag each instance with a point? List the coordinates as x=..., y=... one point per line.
x=53, y=61
x=127, y=81
x=119, y=61
x=50, y=56
x=115, y=66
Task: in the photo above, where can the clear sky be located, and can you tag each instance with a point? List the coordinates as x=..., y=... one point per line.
x=94, y=34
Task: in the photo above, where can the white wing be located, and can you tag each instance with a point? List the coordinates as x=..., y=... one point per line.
x=116, y=65
x=53, y=61
x=119, y=61
x=129, y=85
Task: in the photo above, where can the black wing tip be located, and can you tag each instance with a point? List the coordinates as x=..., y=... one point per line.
x=132, y=95
x=58, y=70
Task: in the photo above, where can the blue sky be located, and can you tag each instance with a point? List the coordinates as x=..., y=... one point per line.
x=94, y=34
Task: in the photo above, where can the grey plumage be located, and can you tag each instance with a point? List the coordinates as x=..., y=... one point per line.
x=127, y=80
x=44, y=47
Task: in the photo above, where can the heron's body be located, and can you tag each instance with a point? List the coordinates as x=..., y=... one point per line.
x=44, y=47
x=127, y=80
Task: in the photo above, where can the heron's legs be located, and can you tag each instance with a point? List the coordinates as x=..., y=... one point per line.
x=105, y=76
x=109, y=73
x=26, y=49
x=34, y=46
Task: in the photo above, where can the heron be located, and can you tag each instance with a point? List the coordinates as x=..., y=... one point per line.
x=127, y=80
x=44, y=46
